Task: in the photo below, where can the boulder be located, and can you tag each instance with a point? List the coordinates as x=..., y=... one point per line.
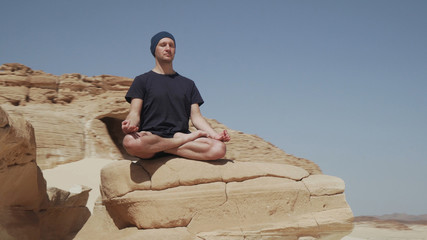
x=224, y=198
x=28, y=210
x=23, y=185
x=66, y=213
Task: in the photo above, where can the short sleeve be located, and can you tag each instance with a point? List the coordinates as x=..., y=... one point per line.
x=137, y=89
x=195, y=96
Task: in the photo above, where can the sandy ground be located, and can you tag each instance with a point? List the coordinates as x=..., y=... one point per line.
x=368, y=230
x=84, y=172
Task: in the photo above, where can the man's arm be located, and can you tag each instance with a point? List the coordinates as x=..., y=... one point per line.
x=201, y=124
x=131, y=124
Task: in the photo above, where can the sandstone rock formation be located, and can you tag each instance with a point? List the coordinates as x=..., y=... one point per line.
x=22, y=189
x=257, y=192
x=76, y=116
x=69, y=112
x=28, y=210
x=223, y=199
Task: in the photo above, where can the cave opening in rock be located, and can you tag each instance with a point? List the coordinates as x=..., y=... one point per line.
x=114, y=126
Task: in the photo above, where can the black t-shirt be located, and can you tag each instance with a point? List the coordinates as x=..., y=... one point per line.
x=167, y=101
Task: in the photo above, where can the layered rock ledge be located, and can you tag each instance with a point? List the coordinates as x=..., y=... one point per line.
x=76, y=116
x=224, y=199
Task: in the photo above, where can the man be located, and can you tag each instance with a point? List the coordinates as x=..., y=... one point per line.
x=162, y=102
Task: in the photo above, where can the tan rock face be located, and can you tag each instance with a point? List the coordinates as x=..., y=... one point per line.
x=23, y=147
x=251, y=148
x=234, y=197
x=22, y=182
x=27, y=209
x=70, y=113
x=76, y=116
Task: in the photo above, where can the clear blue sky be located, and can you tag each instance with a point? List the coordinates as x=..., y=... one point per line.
x=342, y=83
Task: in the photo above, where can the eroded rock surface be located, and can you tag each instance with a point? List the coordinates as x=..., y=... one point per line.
x=69, y=113
x=28, y=209
x=224, y=198
x=22, y=181
x=76, y=116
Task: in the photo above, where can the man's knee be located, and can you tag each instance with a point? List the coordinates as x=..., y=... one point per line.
x=217, y=151
x=135, y=144
x=129, y=143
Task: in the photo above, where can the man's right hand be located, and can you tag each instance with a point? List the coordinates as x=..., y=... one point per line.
x=128, y=128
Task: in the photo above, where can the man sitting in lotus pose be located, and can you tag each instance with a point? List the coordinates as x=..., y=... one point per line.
x=161, y=104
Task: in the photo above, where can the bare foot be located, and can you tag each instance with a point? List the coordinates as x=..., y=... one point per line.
x=191, y=136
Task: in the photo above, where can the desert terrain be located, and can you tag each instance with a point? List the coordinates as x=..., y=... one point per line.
x=393, y=226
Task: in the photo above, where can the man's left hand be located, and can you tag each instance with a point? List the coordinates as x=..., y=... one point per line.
x=223, y=137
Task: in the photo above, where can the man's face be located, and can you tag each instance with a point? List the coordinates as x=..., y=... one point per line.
x=165, y=50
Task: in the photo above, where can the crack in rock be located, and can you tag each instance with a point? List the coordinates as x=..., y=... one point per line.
x=226, y=195
x=295, y=201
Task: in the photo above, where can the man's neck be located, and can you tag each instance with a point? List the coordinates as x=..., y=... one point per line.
x=166, y=69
